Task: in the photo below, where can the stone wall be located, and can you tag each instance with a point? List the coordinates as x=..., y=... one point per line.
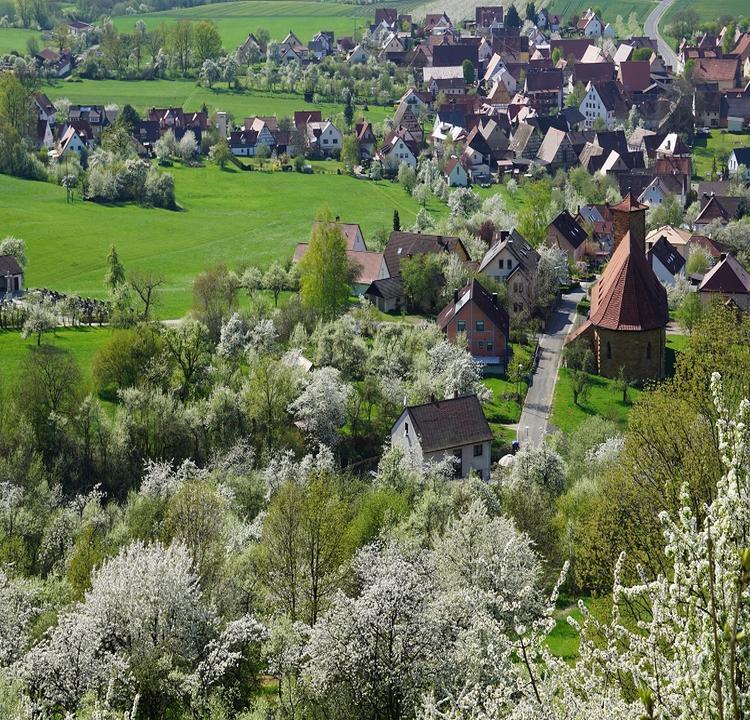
x=642, y=354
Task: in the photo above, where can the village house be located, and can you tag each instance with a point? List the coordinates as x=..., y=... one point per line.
x=678, y=238
x=455, y=173
x=556, y=151
x=626, y=329
x=476, y=314
x=727, y=281
x=455, y=428
x=59, y=64
x=366, y=264
x=398, y=147
x=590, y=25
x=720, y=208
x=323, y=138
x=565, y=233
x=366, y=139
x=11, y=277
x=603, y=101
x=511, y=260
x=387, y=292
x=739, y=157
x=665, y=260
x=71, y=141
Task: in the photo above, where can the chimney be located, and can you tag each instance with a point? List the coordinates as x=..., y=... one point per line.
x=723, y=256
x=455, y=296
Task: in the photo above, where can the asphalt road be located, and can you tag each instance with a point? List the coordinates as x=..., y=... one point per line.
x=651, y=28
x=534, y=423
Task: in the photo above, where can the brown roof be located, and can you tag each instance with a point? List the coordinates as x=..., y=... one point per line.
x=716, y=69
x=367, y=262
x=475, y=293
x=713, y=247
x=728, y=276
x=629, y=204
x=628, y=296
x=596, y=71
x=9, y=266
x=403, y=244
x=635, y=75
x=445, y=424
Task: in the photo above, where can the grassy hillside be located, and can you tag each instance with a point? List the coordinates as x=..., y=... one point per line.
x=81, y=342
x=707, y=11
x=236, y=19
x=142, y=94
x=229, y=216
x=16, y=39
x=610, y=10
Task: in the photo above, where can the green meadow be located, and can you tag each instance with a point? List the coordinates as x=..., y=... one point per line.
x=718, y=144
x=81, y=342
x=143, y=94
x=228, y=216
x=610, y=10
x=236, y=19
x=16, y=39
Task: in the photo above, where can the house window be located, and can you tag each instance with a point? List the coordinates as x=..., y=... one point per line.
x=461, y=325
x=335, y=141
x=490, y=346
x=479, y=326
x=478, y=450
x=500, y=263
x=406, y=428
x=481, y=344
x=609, y=351
x=325, y=141
x=648, y=351
x=510, y=263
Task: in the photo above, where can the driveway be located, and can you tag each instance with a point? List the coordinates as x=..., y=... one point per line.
x=651, y=28
x=534, y=423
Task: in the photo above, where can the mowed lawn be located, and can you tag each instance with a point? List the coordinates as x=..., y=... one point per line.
x=718, y=144
x=610, y=10
x=81, y=342
x=228, y=216
x=16, y=39
x=707, y=10
x=236, y=19
x=604, y=399
x=187, y=94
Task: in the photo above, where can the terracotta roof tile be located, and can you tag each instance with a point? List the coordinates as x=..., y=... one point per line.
x=628, y=296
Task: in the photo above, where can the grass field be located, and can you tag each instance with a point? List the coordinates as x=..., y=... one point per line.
x=719, y=144
x=707, y=11
x=143, y=94
x=610, y=10
x=604, y=399
x=81, y=342
x=228, y=217
x=16, y=39
x=236, y=19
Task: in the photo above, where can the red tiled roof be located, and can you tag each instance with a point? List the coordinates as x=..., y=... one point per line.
x=728, y=276
x=628, y=296
x=629, y=204
x=635, y=75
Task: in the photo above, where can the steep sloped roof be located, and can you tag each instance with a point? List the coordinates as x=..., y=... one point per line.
x=403, y=244
x=9, y=266
x=728, y=276
x=629, y=296
x=667, y=255
x=445, y=424
x=568, y=227
x=475, y=292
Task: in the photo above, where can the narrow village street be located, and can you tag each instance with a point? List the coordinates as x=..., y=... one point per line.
x=534, y=422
